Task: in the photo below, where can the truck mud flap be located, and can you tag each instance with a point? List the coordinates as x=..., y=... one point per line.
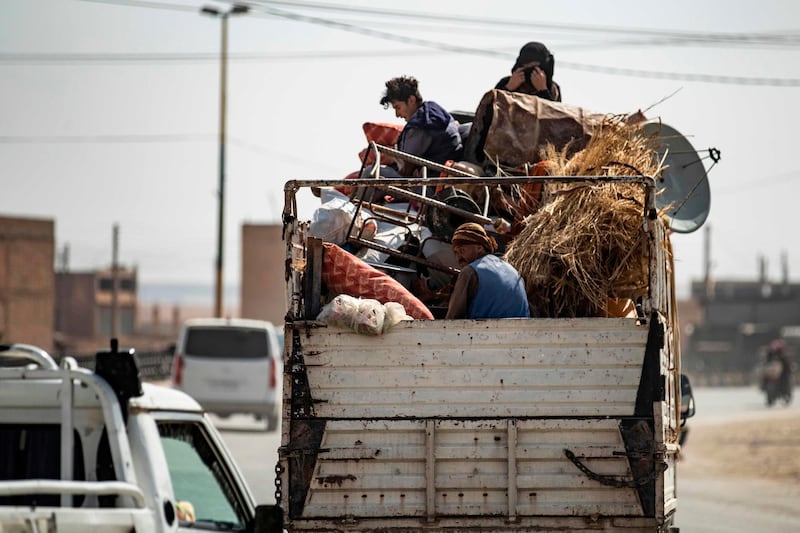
x=269, y=519
x=306, y=436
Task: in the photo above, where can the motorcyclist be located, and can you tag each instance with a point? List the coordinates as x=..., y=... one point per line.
x=777, y=353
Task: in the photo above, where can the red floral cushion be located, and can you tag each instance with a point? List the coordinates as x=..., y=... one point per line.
x=382, y=133
x=344, y=273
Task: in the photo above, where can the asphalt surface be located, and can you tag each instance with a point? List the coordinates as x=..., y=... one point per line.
x=740, y=466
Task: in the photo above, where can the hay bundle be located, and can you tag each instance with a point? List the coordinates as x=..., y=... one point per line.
x=585, y=243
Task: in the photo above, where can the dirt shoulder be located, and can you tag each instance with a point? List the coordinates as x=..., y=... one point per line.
x=767, y=448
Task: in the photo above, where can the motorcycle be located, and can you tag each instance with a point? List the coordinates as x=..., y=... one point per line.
x=774, y=384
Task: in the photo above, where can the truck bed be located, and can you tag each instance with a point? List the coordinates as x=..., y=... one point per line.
x=545, y=424
x=469, y=423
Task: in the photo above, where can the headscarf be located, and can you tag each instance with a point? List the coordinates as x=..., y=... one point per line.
x=472, y=233
x=534, y=51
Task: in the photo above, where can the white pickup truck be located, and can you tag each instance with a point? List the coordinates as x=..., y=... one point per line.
x=98, y=450
x=479, y=425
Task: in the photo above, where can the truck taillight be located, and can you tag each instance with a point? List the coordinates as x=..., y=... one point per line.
x=177, y=370
x=273, y=373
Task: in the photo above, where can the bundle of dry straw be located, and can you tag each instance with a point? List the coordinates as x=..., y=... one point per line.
x=585, y=244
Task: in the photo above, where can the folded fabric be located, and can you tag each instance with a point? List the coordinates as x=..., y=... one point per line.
x=344, y=273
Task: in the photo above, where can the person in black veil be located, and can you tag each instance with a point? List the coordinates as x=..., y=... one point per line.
x=532, y=73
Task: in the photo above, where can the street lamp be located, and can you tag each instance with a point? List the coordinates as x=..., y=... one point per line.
x=236, y=9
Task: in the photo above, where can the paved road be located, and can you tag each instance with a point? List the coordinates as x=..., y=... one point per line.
x=734, y=504
x=256, y=452
x=706, y=505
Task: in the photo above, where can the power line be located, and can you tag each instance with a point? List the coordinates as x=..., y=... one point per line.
x=139, y=138
x=708, y=78
x=108, y=138
x=761, y=38
x=97, y=58
x=792, y=37
x=194, y=57
x=783, y=39
x=147, y=4
x=788, y=38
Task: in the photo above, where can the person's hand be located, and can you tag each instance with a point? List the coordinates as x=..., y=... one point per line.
x=516, y=80
x=538, y=79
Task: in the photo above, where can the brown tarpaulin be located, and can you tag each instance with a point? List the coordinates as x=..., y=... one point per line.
x=512, y=128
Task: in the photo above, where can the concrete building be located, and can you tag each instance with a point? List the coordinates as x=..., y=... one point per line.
x=27, y=252
x=85, y=309
x=263, y=292
x=738, y=319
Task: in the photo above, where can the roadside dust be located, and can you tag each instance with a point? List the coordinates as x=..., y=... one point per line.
x=767, y=448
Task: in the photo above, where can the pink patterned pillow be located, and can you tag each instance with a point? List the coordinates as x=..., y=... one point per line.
x=344, y=273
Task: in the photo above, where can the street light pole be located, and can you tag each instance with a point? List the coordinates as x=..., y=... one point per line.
x=236, y=9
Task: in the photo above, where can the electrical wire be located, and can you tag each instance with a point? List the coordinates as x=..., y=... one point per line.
x=791, y=37
x=785, y=39
x=108, y=138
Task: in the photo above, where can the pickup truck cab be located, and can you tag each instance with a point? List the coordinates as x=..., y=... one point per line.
x=98, y=450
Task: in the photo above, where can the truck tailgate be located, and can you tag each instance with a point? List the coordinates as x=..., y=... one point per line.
x=468, y=423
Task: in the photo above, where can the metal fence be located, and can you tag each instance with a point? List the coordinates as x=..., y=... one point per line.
x=153, y=366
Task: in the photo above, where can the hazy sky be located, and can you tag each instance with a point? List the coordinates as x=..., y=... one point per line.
x=109, y=110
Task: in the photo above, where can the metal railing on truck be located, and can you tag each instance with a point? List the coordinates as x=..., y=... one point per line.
x=41, y=366
x=658, y=296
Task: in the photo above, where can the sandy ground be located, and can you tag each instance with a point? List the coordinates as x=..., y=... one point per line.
x=756, y=448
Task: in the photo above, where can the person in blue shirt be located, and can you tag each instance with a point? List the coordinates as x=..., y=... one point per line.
x=487, y=286
x=430, y=131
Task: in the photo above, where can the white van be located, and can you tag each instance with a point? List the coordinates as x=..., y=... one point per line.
x=230, y=366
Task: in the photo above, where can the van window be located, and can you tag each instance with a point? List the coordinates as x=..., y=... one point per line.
x=250, y=343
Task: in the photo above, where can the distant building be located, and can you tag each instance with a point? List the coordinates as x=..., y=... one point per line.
x=263, y=290
x=738, y=318
x=85, y=309
x=27, y=251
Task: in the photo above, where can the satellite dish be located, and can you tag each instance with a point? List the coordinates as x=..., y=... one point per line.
x=682, y=189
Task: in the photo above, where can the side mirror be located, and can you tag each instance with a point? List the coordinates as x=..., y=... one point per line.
x=687, y=399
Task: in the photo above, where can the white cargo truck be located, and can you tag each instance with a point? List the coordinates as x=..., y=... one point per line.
x=545, y=424
x=97, y=450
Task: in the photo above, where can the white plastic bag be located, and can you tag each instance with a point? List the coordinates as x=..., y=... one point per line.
x=332, y=219
x=362, y=315
x=395, y=313
x=339, y=311
x=370, y=317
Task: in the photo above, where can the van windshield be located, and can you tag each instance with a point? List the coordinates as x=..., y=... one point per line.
x=227, y=342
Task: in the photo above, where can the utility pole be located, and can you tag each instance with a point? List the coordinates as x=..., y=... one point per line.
x=115, y=282
x=236, y=9
x=708, y=286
